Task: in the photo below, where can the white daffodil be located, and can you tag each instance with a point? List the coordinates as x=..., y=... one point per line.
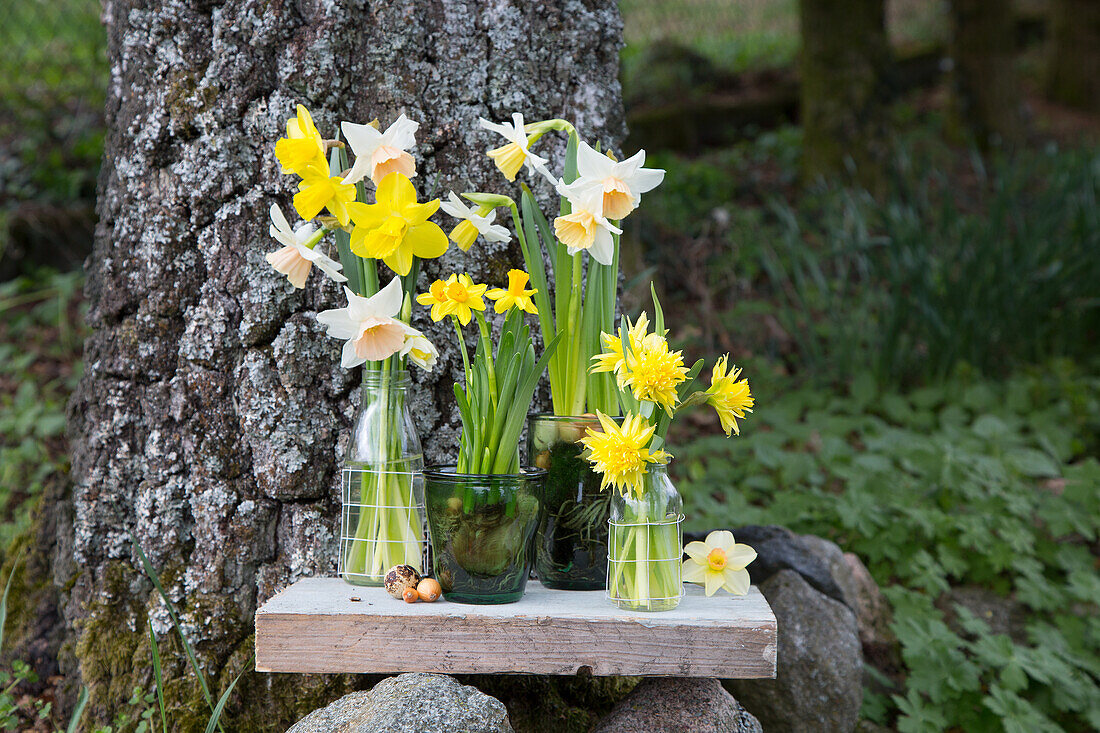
x=296, y=258
x=380, y=153
x=517, y=153
x=585, y=227
x=621, y=184
x=719, y=562
x=420, y=350
x=474, y=222
x=370, y=325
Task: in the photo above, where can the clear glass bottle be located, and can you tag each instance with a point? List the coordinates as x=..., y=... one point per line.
x=646, y=545
x=382, y=517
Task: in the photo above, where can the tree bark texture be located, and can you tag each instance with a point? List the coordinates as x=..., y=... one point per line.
x=985, y=86
x=844, y=65
x=1073, y=72
x=213, y=412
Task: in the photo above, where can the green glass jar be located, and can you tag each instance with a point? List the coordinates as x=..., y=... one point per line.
x=482, y=527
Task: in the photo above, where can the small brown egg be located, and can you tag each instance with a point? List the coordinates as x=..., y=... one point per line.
x=400, y=577
x=429, y=590
x=410, y=595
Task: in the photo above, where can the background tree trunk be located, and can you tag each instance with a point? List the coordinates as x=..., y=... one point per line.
x=213, y=411
x=1073, y=74
x=985, y=85
x=844, y=64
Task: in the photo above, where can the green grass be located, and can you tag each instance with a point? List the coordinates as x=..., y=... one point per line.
x=41, y=336
x=738, y=35
x=975, y=484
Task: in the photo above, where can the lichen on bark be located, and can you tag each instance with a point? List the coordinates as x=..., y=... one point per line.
x=209, y=419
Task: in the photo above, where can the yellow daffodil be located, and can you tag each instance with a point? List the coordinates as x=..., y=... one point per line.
x=318, y=190
x=436, y=297
x=457, y=296
x=516, y=153
x=515, y=296
x=620, y=453
x=474, y=222
x=302, y=145
x=729, y=396
x=395, y=228
x=649, y=368
x=719, y=562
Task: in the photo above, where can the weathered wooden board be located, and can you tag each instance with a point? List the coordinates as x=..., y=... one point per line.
x=315, y=626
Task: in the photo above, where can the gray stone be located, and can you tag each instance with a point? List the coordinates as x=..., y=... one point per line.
x=410, y=703
x=674, y=705
x=818, y=685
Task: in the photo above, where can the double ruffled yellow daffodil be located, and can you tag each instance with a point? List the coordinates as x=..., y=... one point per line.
x=620, y=453
x=395, y=228
x=729, y=396
x=648, y=368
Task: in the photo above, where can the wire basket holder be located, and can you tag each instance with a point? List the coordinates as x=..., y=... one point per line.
x=382, y=523
x=657, y=570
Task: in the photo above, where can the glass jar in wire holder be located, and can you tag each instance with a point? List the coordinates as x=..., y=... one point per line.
x=645, y=545
x=382, y=520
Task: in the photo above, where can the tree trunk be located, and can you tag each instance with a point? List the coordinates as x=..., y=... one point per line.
x=213, y=411
x=985, y=85
x=1073, y=73
x=844, y=64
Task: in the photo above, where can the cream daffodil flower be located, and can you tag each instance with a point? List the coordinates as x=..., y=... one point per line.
x=585, y=227
x=377, y=154
x=298, y=255
x=517, y=153
x=369, y=325
x=474, y=222
x=619, y=183
x=719, y=562
x=420, y=351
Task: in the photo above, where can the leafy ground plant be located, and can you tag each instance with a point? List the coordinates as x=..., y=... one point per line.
x=974, y=507
x=41, y=336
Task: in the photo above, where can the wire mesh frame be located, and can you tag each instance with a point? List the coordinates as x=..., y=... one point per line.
x=351, y=509
x=612, y=560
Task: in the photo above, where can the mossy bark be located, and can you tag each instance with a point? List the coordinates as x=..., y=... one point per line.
x=844, y=65
x=1073, y=67
x=212, y=413
x=986, y=100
